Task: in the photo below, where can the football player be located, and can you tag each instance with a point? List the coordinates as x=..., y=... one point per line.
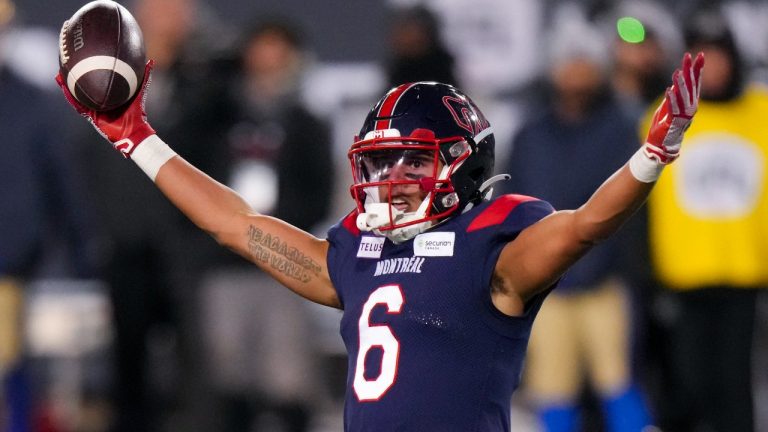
x=439, y=282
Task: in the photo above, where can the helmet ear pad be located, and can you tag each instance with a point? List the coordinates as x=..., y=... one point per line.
x=471, y=174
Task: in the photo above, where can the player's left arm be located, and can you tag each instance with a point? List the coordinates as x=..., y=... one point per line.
x=544, y=251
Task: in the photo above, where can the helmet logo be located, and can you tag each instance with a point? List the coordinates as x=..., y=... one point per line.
x=464, y=115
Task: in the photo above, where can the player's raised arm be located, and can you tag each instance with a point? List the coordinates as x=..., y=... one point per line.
x=292, y=256
x=542, y=252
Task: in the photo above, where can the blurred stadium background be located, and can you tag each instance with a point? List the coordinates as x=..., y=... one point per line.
x=498, y=45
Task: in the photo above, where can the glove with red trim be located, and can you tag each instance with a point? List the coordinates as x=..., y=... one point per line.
x=125, y=127
x=676, y=112
x=670, y=121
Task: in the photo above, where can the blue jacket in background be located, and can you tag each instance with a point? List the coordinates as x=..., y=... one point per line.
x=39, y=207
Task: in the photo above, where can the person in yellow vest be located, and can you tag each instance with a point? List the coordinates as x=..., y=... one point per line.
x=708, y=222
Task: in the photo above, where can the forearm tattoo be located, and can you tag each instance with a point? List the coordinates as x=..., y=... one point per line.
x=271, y=251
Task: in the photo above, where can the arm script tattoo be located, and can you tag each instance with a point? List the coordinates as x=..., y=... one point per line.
x=275, y=253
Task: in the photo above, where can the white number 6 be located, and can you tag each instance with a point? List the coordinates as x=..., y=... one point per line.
x=378, y=336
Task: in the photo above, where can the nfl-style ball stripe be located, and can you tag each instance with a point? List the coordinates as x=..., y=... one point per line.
x=103, y=63
x=388, y=106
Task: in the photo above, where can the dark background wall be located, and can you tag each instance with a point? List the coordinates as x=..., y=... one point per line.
x=339, y=30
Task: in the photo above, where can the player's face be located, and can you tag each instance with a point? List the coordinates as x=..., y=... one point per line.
x=406, y=166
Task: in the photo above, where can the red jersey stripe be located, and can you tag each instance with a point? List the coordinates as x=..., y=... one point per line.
x=498, y=211
x=350, y=223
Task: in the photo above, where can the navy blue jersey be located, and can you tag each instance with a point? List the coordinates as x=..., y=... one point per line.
x=427, y=349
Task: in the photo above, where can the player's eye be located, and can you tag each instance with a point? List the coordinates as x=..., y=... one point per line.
x=419, y=162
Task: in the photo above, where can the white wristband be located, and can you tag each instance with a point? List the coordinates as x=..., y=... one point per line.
x=643, y=168
x=152, y=154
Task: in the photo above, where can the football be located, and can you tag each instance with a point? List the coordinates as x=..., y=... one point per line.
x=102, y=55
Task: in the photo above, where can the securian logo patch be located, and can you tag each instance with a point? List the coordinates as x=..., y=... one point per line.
x=434, y=244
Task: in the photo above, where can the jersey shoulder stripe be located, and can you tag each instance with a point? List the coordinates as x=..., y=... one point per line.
x=350, y=223
x=498, y=211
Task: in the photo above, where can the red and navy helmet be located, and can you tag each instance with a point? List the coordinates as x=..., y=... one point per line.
x=427, y=117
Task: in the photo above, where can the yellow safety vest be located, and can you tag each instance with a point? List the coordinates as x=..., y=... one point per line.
x=709, y=210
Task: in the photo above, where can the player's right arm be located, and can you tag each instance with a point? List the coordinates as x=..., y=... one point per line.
x=292, y=256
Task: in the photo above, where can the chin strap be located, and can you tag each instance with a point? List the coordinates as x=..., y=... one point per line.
x=488, y=183
x=378, y=214
x=486, y=190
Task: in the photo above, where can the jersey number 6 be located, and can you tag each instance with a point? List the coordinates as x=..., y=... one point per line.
x=378, y=336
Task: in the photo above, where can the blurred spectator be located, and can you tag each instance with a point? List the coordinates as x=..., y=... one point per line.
x=642, y=70
x=582, y=336
x=259, y=337
x=708, y=237
x=417, y=52
x=42, y=214
x=270, y=128
x=153, y=286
